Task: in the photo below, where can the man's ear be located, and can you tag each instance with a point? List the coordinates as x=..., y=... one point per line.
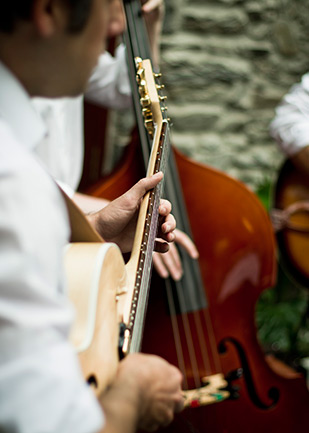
x=48, y=15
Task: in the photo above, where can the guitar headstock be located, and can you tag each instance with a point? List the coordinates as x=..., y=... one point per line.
x=152, y=101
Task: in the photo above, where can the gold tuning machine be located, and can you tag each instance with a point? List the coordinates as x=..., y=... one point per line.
x=147, y=88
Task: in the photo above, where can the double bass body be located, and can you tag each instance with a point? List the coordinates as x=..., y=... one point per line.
x=237, y=262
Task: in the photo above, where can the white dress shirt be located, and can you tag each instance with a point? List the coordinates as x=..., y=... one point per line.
x=290, y=127
x=62, y=149
x=41, y=385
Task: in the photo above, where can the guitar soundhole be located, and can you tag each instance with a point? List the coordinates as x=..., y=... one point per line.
x=92, y=381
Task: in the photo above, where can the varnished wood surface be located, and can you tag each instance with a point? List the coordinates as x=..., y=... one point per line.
x=292, y=187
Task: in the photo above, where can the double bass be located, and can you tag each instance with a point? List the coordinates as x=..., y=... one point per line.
x=204, y=323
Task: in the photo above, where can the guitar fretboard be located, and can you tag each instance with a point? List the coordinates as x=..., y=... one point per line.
x=140, y=295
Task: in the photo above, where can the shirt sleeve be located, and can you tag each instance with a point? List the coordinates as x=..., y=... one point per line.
x=290, y=126
x=41, y=384
x=42, y=389
x=109, y=84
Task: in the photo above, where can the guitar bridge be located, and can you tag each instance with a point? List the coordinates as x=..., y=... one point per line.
x=124, y=340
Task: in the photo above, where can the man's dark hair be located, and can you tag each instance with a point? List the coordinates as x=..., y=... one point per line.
x=14, y=10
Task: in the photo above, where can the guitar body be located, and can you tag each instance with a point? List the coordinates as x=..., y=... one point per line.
x=292, y=187
x=96, y=279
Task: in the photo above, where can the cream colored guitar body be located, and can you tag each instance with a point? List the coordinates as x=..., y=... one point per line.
x=96, y=278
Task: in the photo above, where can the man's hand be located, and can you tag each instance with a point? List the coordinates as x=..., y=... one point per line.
x=145, y=395
x=117, y=21
x=154, y=14
x=169, y=264
x=153, y=10
x=117, y=221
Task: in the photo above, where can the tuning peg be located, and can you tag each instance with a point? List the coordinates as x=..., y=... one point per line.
x=158, y=75
x=160, y=86
x=142, y=92
x=140, y=73
x=138, y=62
x=145, y=101
x=162, y=98
x=149, y=126
x=148, y=116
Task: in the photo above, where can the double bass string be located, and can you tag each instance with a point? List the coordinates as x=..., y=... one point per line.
x=176, y=333
x=189, y=291
x=198, y=316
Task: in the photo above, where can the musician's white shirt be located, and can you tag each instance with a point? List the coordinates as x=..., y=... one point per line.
x=41, y=385
x=62, y=149
x=290, y=127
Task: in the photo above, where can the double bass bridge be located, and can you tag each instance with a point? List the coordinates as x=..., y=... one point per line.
x=212, y=391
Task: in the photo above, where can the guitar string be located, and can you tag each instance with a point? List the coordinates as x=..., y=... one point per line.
x=141, y=288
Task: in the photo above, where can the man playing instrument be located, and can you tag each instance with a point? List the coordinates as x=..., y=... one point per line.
x=290, y=126
x=48, y=48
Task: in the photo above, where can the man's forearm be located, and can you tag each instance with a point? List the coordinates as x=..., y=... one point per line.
x=120, y=400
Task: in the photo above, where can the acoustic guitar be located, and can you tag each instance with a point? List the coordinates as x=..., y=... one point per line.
x=110, y=297
x=290, y=217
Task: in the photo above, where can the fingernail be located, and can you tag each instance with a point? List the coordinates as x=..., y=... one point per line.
x=177, y=274
x=167, y=228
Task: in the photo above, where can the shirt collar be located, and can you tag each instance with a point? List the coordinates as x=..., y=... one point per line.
x=16, y=109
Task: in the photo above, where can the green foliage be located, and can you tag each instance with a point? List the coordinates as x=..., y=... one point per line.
x=280, y=321
x=264, y=193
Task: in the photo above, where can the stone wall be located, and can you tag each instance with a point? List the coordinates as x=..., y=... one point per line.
x=226, y=64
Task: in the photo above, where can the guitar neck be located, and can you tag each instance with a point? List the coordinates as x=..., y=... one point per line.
x=156, y=129
x=141, y=257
